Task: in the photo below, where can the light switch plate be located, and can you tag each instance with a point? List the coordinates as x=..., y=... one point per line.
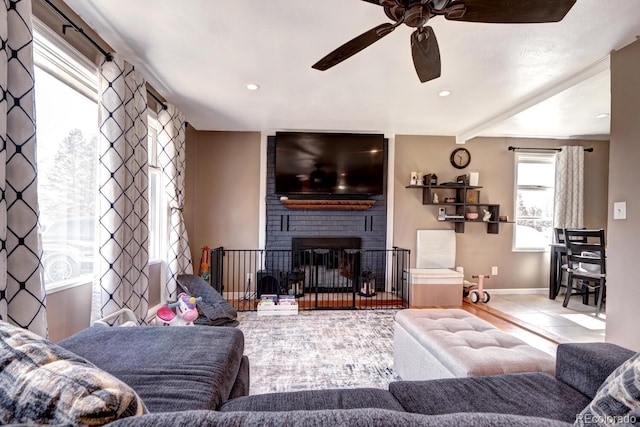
x=620, y=210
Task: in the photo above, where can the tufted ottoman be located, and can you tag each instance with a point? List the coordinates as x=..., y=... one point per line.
x=446, y=343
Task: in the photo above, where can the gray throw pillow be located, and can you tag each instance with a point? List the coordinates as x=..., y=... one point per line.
x=617, y=399
x=43, y=383
x=216, y=311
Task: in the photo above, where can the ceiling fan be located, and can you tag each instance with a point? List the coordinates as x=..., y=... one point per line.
x=424, y=45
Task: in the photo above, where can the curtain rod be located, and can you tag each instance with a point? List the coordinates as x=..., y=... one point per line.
x=79, y=30
x=512, y=148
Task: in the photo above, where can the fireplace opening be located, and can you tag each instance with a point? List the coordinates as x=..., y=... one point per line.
x=329, y=264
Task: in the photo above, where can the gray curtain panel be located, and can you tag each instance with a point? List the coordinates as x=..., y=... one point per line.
x=171, y=139
x=22, y=294
x=569, y=188
x=122, y=259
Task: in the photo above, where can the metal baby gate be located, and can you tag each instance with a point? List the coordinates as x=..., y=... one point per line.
x=320, y=278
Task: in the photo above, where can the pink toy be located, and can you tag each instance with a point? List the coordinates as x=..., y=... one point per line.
x=476, y=291
x=186, y=311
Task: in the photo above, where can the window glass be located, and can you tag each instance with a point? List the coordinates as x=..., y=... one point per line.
x=67, y=136
x=155, y=191
x=535, y=177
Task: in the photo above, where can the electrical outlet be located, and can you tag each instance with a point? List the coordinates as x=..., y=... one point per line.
x=494, y=270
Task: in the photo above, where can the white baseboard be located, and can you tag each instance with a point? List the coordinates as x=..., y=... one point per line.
x=518, y=291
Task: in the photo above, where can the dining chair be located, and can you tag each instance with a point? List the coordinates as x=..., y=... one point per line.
x=562, y=269
x=586, y=265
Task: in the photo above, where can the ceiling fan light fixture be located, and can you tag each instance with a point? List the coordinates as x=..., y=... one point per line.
x=252, y=86
x=444, y=93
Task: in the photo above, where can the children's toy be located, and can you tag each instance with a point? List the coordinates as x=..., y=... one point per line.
x=186, y=311
x=475, y=291
x=122, y=317
x=204, y=263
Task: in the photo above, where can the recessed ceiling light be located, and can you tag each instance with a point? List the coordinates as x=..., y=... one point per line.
x=253, y=86
x=602, y=115
x=444, y=93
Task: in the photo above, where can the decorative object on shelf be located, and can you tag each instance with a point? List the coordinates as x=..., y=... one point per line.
x=474, y=177
x=487, y=215
x=431, y=179
x=435, y=198
x=462, y=179
x=503, y=218
x=473, y=196
x=419, y=178
x=460, y=158
x=414, y=178
x=449, y=199
x=472, y=215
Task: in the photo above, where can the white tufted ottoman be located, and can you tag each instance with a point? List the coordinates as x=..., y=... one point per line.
x=442, y=343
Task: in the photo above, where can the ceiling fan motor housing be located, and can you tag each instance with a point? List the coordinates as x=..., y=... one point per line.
x=413, y=13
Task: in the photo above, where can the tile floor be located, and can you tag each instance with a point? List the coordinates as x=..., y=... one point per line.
x=575, y=323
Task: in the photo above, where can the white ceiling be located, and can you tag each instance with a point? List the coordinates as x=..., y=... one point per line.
x=547, y=80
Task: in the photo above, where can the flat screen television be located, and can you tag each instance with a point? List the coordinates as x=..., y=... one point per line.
x=340, y=164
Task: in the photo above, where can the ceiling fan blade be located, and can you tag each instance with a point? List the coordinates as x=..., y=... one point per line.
x=373, y=1
x=426, y=54
x=509, y=11
x=354, y=46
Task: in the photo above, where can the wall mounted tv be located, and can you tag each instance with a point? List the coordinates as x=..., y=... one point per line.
x=346, y=164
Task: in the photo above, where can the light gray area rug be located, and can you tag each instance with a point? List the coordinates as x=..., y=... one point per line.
x=319, y=349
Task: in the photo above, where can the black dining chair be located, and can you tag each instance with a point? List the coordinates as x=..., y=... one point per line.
x=562, y=269
x=586, y=265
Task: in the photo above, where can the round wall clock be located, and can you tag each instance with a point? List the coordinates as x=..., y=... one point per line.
x=460, y=158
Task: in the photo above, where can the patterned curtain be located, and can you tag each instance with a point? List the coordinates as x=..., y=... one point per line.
x=171, y=139
x=569, y=188
x=123, y=206
x=22, y=294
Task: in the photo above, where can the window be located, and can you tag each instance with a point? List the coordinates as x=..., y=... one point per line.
x=155, y=191
x=67, y=135
x=535, y=177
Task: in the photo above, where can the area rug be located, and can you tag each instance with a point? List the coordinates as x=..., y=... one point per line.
x=319, y=349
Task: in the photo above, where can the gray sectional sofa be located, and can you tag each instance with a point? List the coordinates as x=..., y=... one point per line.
x=509, y=399
x=199, y=376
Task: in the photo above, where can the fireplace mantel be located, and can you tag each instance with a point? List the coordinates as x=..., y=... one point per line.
x=344, y=205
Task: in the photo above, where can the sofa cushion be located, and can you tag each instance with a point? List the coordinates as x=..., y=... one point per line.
x=585, y=366
x=216, y=311
x=531, y=394
x=172, y=368
x=332, y=417
x=43, y=383
x=617, y=396
x=314, y=400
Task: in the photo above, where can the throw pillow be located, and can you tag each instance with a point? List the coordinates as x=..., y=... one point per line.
x=616, y=398
x=215, y=309
x=42, y=383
